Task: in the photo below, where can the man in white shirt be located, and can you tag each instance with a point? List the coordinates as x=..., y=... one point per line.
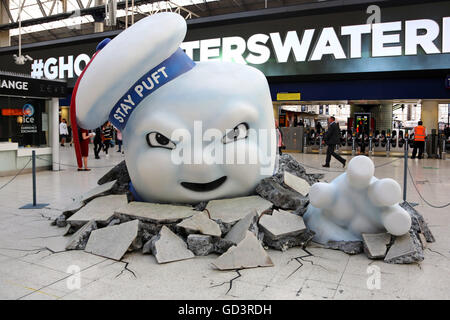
x=63, y=131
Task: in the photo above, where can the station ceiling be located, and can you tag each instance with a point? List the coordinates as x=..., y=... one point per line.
x=75, y=25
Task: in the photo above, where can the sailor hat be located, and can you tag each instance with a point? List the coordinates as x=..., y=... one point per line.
x=128, y=68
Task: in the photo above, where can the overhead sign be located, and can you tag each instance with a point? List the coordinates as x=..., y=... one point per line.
x=407, y=38
x=284, y=96
x=309, y=45
x=27, y=87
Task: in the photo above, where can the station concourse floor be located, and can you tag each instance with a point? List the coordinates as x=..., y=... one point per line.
x=33, y=264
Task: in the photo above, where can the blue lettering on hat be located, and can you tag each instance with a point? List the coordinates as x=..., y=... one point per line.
x=177, y=64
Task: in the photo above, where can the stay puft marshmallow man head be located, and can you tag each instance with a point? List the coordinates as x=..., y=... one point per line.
x=189, y=129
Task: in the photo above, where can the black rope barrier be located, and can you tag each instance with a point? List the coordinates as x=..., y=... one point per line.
x=421, y=197
x=20, y=171
x=74, y=166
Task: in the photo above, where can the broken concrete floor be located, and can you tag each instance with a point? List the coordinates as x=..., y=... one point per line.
x=32, y=266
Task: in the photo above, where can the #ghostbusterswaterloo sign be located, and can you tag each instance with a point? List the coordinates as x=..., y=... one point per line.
x=416, y=44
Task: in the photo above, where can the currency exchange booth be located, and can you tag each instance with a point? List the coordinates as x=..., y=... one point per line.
x=29, y=120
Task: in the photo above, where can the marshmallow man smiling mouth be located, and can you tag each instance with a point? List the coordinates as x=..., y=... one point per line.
x=170, y=108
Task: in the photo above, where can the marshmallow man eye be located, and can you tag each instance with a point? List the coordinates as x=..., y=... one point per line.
x=157, y=140
x=239, y=132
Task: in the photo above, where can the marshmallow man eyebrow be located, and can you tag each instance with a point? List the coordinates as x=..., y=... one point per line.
x=234, y=114
x=154, y=123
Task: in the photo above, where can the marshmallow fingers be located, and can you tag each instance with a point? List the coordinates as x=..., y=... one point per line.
x=359, y=202
x=386, y=194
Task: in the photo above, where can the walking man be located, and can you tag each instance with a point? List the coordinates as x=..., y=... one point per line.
x=420, y=132
x=332, y=138
x=63, y=132
x=108, y=136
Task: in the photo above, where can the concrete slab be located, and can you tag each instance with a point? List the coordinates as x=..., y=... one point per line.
x=201, y=223
x=247, y=254
x=375, y=245
x=298, y=184
x=113, y=242
x=80, y=238
x=154, y=212
x=239, y=231
x=233, y=210
x=406, y=249
x=349, y=247
x=100, y=209
x=281, y=224
x=95, y=192
x=168, y=247
x=281, y=195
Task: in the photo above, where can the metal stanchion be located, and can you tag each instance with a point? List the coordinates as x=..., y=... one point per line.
x=34, y=205
x=353, y=145
x=320, y=144
x=444, y=152
x=370, y=147
x=388, y=147
x=388, y=143
x=304, y=143
x=405, y=170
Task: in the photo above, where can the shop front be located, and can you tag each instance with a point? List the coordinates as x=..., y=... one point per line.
x=29, y=120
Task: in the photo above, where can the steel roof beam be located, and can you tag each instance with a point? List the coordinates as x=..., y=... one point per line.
x=6, y=7
x=41, y=7
x=65, y=15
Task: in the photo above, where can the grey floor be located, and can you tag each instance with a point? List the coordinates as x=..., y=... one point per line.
x=33, y=264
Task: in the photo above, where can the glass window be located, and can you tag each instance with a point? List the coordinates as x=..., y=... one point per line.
x=23, y=120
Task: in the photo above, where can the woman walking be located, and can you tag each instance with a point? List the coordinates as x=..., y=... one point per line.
x=84, y=137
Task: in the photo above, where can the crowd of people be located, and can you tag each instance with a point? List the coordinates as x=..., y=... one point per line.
x=103, y=138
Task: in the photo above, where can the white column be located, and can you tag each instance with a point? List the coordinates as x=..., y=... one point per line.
x=55, y=133
x=430, y=114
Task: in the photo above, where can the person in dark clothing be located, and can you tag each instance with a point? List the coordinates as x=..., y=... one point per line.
x=98, y=142
x=107, y=136
x=319, y=128
x=332, y=138
x=363, y=140
x=279, y=138
x=420, y=135
x=69, y=136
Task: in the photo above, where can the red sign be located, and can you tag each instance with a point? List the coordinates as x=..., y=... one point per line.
x=12, y=112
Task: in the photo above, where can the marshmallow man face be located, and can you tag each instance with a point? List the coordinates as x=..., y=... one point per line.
x=177, y=140
x=207, y=134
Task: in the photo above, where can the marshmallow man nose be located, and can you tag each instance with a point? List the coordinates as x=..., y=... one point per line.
x=204, y=167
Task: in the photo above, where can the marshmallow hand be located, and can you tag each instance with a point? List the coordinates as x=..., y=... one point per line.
x=354, y=203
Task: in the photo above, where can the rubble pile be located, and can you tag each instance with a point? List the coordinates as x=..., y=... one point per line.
x=106, y=221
